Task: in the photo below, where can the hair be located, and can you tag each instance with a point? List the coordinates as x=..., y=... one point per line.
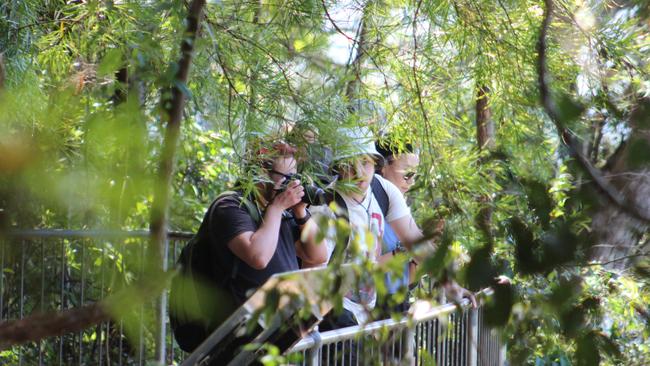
x=388, y=148
x=279, y=149
x=260, y=154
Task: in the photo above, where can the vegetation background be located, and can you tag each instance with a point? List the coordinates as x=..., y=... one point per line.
x=532, y=120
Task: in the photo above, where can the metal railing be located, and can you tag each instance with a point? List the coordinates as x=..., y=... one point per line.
x=443, y=335
x=52, y=270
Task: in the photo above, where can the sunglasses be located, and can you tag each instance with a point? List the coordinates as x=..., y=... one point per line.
x=410, y=175
x=287, y=177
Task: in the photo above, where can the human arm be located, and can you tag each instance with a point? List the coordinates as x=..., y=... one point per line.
x=257, y=248
x=311, y=252
x=407, y=231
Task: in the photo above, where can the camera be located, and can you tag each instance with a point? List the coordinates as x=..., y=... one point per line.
x=314, y=195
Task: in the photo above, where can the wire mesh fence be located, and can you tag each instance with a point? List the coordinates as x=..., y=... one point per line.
x=53, y=270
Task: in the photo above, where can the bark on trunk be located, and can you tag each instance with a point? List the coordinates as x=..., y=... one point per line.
x=484, y=123
x=618, y=234
x=621, y=221
x=485, y=139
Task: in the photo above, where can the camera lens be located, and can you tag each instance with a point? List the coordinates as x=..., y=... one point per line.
x=313, y=195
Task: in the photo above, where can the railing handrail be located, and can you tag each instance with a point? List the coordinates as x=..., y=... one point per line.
x=348, y=333
x=91, y=233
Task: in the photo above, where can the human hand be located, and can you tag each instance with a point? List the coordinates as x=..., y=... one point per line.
x=290, y=197
x=503, y=280
x=439, y=227
x=456, y=293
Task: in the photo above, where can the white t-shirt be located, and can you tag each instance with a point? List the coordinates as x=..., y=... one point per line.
x=366, y=218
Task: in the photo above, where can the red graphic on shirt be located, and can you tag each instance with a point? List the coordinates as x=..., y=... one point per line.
x=380, y=227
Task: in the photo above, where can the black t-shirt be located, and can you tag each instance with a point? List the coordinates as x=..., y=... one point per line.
x=230, y=218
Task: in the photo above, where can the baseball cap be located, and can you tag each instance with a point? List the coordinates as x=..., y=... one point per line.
x=355, y=141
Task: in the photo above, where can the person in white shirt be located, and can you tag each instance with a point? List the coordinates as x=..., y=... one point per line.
x=356, y=171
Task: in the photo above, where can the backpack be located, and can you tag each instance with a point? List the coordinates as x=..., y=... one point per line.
x=201, y=295
x=194, y=317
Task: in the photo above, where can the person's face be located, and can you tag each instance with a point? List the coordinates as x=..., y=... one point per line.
x=401, y=171
x=283, y=168
x=360, y=170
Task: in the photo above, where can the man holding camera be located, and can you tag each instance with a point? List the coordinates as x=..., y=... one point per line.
x=260, y=249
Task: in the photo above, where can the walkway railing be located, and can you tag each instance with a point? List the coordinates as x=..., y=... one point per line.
x=51, y=270
x=443, y=335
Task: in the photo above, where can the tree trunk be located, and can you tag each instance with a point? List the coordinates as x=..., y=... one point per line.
x=172, y=103
x=619, y=235
x=485, y=139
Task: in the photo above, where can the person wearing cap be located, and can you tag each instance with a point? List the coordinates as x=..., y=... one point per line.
x=355, y=166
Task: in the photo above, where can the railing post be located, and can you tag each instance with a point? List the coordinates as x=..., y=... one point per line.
x=502, y=351
x=312, y=356
x=161, y=341
x=409, y=347
x=472, y=338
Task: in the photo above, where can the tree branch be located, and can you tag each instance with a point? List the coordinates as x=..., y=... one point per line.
x=41, y=326
x=414, y=70
x=485, y=138
x=610, y=192
x=615, y=260
x=172, y=103
x=352, y=89
x=336, y=27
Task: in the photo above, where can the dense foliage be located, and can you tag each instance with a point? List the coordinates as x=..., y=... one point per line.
x=81, y=133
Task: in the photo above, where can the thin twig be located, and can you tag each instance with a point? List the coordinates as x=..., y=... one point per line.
x=361, y=48
x=614, y=260
x=292, y=93
x=418, y=91
x=336, y=27
x=231, y=85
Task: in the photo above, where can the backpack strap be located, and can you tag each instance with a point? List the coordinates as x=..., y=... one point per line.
x=377, y=190
x=380, y=195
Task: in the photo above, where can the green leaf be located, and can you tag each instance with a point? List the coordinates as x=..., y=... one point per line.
x=498, y=309
x=111, y=62
x=480, y=271
x=539, y=200
x=587, y=353
x=568, y=110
